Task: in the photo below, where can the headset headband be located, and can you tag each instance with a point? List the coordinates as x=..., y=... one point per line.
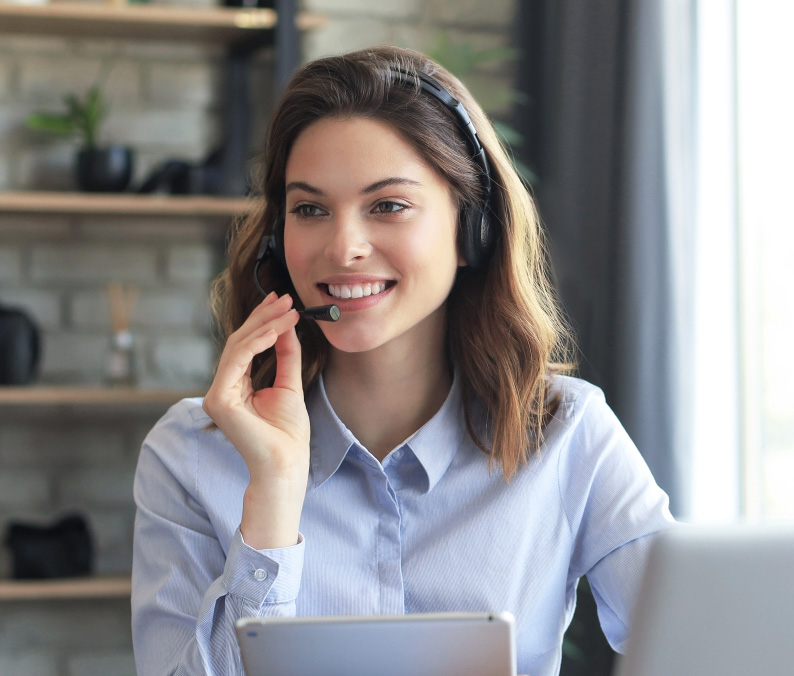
x=440, y=93
x=478, y=235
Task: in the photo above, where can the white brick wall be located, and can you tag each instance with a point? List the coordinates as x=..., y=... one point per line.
x=23, y=489
x=65, y=626
x=162, y=97
x=101, y=664
x=27, y=663
x=43, y=442
x=180, y=83
x=5, y=78
x=96, y=486
x=166, y=101
x=10, y=263
x=86, y=262
x=44, y=306
x=43, y=81
x=57, y=269
x=84, y=462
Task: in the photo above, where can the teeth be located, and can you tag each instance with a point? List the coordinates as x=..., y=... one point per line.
x=356, y=290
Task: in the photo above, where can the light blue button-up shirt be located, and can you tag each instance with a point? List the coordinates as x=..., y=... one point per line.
x=433, y=528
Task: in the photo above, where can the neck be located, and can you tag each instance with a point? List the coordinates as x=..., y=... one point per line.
x=384, y=396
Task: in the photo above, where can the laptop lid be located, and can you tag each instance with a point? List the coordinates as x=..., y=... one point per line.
x=716, y=600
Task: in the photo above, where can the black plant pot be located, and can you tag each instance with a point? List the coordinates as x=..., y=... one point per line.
x=104, y=169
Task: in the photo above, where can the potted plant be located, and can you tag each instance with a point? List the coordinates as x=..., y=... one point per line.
x=97, y=168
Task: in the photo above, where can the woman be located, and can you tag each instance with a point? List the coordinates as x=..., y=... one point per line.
x=424, y=453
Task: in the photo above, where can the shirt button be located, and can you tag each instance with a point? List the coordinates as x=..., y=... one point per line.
x=260, y=574
x=398, y=454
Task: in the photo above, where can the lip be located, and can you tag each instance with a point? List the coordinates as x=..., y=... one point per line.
x=354, y=304
x=354, y=279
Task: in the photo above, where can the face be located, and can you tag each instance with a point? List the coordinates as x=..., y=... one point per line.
x=371, y=227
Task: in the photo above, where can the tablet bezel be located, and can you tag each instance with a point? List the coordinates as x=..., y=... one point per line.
x=433, y=644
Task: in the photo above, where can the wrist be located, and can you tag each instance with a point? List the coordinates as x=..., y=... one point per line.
x=271, y=515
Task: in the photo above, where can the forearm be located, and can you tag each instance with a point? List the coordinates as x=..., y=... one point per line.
x=178, y=628
x=272, y=511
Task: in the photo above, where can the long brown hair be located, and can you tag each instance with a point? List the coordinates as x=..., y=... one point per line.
x=505, y=334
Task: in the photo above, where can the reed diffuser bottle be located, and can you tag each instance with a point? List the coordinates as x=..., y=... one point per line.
x=120, y=366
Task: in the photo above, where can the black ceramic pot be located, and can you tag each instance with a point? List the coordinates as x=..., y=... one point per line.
x=20, y=347
x=104, y=169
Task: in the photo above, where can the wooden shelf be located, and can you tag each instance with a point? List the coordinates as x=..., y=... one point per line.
x=90, y=396
x=143, y=21
x=41, y=202
x=66, y=589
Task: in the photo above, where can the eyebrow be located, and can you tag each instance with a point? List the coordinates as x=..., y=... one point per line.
x=374, y=187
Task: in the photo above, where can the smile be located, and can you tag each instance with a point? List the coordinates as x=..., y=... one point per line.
x=343, y=291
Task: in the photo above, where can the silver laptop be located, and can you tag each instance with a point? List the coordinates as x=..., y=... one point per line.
x=716, y=601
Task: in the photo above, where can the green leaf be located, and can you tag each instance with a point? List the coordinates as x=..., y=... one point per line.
x=508, y=134
x=62, y=125
x=73, y=105
x=497, y=54
x=94, y=114
x=83, y=117
x=461, y=58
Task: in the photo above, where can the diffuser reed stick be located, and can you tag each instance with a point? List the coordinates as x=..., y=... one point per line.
x=120, y=364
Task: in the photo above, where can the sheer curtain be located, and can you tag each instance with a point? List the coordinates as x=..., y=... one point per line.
x=620, y=165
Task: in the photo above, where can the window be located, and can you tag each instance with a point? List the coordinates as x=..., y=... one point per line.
x=765, y=176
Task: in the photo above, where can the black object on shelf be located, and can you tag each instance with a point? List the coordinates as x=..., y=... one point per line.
x=180, y=177
x=104, y=169
x=20, y=347
x=63, y=549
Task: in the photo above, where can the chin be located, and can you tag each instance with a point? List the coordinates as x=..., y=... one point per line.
x=351, y=341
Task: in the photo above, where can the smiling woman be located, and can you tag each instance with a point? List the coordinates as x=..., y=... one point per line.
x=348, y=468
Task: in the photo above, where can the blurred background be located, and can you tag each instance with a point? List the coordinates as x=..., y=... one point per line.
x=655, y=135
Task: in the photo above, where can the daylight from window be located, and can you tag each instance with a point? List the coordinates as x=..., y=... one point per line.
x=765, y=120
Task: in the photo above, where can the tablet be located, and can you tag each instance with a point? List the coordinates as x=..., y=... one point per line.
x=431, y=644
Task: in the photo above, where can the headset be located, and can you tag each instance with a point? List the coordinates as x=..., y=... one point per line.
x=478, y=235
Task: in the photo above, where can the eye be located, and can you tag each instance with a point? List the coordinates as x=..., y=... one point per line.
x=387, y=207
x=306, y=211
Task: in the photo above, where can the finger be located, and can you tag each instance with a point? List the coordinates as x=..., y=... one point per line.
x=288, y=361
x=270, y=308
x=237, y=357
x=239, y=350
x=236, y=361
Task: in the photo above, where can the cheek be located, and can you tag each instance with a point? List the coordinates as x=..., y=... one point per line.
x=298, y=253
x=443, y=246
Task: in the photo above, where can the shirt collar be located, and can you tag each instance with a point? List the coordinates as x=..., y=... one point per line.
x=434, y=445
x=330, y=440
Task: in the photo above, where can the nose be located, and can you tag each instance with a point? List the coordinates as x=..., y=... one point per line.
x=348, y=241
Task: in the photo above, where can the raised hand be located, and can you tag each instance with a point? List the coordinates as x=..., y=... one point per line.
x=268, y=427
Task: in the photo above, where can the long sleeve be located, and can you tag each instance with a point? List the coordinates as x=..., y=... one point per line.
x=613, y=507
x=190, y=587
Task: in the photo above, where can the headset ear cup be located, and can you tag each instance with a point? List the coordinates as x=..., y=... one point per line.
x=475, y=237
